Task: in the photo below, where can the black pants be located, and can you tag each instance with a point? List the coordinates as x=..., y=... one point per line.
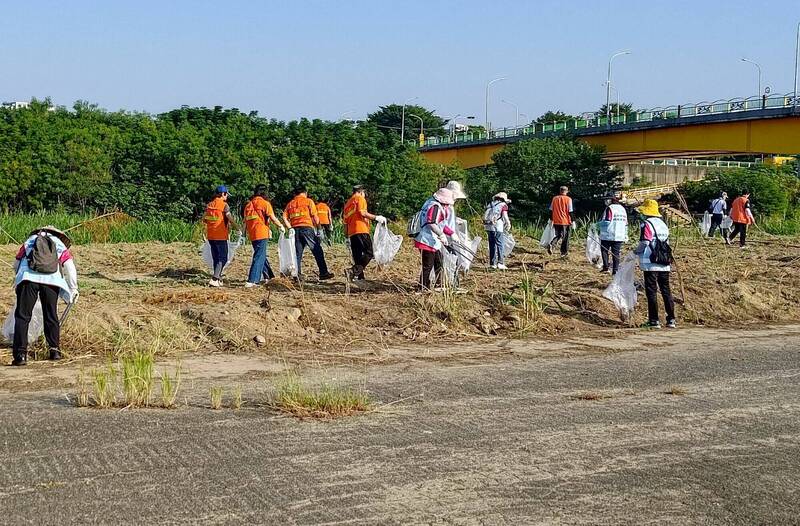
x=610, y=248
x=562, y=233
x=305, y=236
x=716, y=223
x=653, y=281
x=361, y=248
x=327, y=233
x=431, y=261
x=741, y=229
x=27, y=294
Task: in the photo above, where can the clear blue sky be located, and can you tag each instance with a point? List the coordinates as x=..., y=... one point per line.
x=289, y=59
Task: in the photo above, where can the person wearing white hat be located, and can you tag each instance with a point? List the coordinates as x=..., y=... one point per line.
x=45, y=271
x=496, y=223
x=434, y=235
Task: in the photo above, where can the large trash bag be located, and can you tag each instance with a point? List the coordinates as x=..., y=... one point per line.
x=727, y=222
x=449, y=267
x=205, y=252
x=705, y=224
x=593, y=249
x=35, y=329
x=548, y=235
x=385, y=244
x=508, y=243
x=622, y=289
x=467, y=252
x=287, y=255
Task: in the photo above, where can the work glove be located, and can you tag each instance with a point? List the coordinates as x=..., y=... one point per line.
x=443, y=238
x=74, y=296
x=380, y=219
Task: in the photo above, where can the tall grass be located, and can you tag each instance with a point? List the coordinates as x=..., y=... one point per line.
x=293, y=396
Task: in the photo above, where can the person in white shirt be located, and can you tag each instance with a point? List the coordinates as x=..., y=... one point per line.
x=717, y=208
x=613, y=232
x=496, y=223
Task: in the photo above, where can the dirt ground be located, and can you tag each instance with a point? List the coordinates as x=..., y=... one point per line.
x=154, y=297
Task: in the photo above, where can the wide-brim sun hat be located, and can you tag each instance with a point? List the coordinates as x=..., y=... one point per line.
x=50, y=229
x=444, y=196
x=503, y=196
x=455, y=187
x=649, y=208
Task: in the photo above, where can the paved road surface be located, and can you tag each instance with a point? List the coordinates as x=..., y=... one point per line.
x=507, y=440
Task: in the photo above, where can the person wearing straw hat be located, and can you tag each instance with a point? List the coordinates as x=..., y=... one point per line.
x=45, y=271
x=655, y=231
x=496, y=223
x=434, y=235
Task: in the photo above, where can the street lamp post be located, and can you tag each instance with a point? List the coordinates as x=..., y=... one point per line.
x=486, y=108
x=608, y=85
x=516, y=109
x=421, y=124
x=616, y=91
x=403, y=120
x=757, y=65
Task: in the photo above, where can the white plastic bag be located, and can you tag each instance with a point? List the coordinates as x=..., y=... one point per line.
x=622, y=289
x=508, y=243
x=287, y=255
x=466, y=255
x=593, y=249
x=205, y=252
x=449, y=267
x=385, y=244
x=727, y=222
x=705, y=225
x=35, y=329
x=548, y=235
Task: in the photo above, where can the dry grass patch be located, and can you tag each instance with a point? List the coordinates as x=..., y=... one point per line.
x=328, y=400
x=675, y=390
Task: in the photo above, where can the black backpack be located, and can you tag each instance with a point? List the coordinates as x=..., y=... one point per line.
x=660, y=251
x=43, y=257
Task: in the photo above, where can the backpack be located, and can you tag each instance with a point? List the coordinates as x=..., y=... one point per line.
x=491, y=215
x=43, y=257
x=660, y=251
x=418, y=221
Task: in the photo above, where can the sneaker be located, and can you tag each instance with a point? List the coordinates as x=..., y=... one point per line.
x=671, y=324
x=55, y=354
x=329, y=275
x=249, y=285
x=727, y=241
x=493, y=267
x=500, y=266
x=17, y=362
x=215, y=283
x=652, y=325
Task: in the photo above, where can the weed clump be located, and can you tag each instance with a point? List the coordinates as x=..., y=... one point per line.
x=292, y=396
x=216, y=397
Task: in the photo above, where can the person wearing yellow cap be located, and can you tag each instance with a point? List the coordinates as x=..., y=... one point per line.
x=655, y=258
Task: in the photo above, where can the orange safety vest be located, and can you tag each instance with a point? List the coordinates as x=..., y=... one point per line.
x=324, y=212
x=560, y=210
x=215, y=220
x=301, y=212
x=739, y=212
x=256, y=219
x=353, y=220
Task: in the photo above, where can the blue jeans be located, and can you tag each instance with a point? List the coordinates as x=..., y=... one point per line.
x=259, y=268
x=219, y=255
x=496, y=255
x=307, y=237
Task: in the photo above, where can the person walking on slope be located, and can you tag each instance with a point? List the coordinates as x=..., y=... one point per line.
x=613, y=232
x=258, y=214
x=561, y=214
x=301, y=215
x=219, y=221
x=741, y=216
x=655, y=258
x=357, y=227
x=325, y=221
x=434, y=235
x=496, y=223
x=45, y=271
x=717, y=209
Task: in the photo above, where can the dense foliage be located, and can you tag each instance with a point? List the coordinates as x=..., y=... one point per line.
x=531, y=172
x=390, y=119
x=166, y=166
x=774, y=190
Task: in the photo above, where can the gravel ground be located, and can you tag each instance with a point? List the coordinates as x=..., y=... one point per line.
x=526, y=437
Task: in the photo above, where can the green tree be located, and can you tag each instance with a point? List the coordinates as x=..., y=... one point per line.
x=554, y=116
x=390, y=118
x=624, y=109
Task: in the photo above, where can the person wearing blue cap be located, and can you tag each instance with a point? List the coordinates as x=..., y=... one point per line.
x=218, y=220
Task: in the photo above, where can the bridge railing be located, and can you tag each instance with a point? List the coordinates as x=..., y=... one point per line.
x=680, y=111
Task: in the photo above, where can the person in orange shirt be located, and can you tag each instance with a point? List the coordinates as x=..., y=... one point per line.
x=258, y=214
x=302, y=216
x=561, y=213
x=324, y=212
x=218, y=220
x=357, y=227
x=741, y=216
